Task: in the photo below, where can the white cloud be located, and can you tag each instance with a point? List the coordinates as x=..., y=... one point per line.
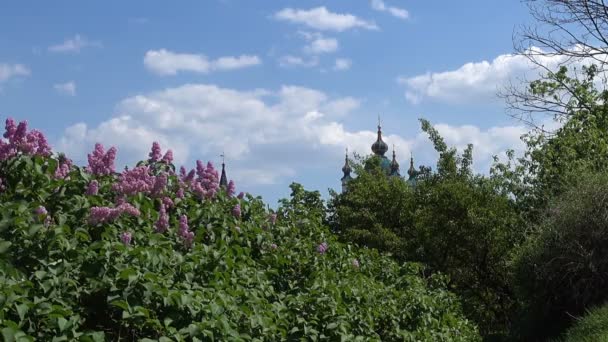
x=379, y=5
x=322, y=45
x=321, y=19
x=268, y=136
x=342, y=64
x=165, y=62
x=478, y=81
x=68, y=88
x=8, y=71
x=74, y=44
x=295, y=61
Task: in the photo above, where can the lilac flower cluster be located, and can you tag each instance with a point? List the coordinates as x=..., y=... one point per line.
x=185, y=234
x=231, y=188
x=101, y=163
x=63, y=169
x=207, y=183
x=355, y=263
x=240, y=195
x=162, y=224
x=131, y=182
x=107, y=214
x=156, y=154
x=236, y=211
x=43, y=215
x=274, y=246
x=126, y=238
x=322, y=248
x=93, y=188
x=20, y=140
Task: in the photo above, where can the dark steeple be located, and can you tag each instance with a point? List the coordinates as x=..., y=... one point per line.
x=394, y=165
x=412, y=171
x=347, y=170
x=379, y=147
x=223, y=178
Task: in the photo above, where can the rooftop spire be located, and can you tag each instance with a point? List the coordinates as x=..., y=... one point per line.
x=379, y=147
x=394, y=164
x=347, y=170
x=223, y=178
x=412, y=171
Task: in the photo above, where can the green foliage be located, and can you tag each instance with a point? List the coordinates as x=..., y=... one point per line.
x=561, y=270
x=456, y=223
x=593, y=327
x=74, y=281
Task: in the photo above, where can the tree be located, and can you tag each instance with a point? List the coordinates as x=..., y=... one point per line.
x=568, y=35
x=453, y=221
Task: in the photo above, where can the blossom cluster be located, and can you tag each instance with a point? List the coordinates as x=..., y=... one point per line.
x=92, y=188
x=101, y=163
x=19, y=140
x=185, y=233
x=106, y=214
x=126, y=238
x=63, y=168
x=236, y=211
x=207, y=183
x=157, y=155
x=322, y=248
x=162, y=224
x=139, y=179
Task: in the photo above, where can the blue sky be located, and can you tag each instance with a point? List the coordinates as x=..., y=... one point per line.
x=283, y=87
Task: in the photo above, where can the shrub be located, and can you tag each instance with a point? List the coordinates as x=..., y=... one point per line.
x=593, y=327
x=563, y=268
x=152, y=255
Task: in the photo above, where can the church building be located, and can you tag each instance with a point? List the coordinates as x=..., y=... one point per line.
x=390, y=167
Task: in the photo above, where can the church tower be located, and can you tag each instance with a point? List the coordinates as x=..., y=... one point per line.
x=346, y=169
x=223, y=178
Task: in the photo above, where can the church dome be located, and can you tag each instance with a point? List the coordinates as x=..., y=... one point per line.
x=379, y=147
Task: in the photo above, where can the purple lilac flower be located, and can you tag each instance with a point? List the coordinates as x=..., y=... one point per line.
x=41, y=211
x=168, y=202
x=207, y=183
x=101, y=163
x=62, y=170
x=106, y=214
x=184, y=231
x=156, y=153
x=182, y=173
x=126, y=238
x=180, y=193
x=355, y=263
x=168, y=157
x=273, y=246
x=236, y=211
x=160, y=183
x=322, y=248
x=241, y=195
x=231, y=188
x=131, y=182
x=20, y=141
x=93, y=188
x=162, y=224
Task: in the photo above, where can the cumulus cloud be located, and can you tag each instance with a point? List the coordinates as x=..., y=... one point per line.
x=322, y=45
x=68, y=88
x=476, y=81
x=292, y=129
x=165, y=62
x=8, y=71
x=295, y=61
x=379, y=5
x=321, y=19
x=74, y=44
x=342, y=64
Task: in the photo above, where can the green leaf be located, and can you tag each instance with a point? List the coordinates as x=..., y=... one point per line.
x=4, y=245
